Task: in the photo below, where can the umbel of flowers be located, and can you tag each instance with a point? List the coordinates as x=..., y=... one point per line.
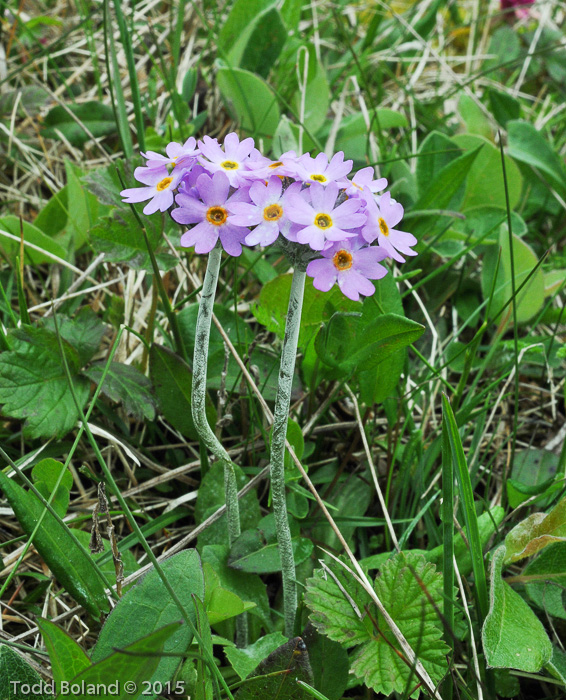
x=335, y=227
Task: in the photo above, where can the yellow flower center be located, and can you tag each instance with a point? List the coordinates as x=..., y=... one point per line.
x=318, y=178
x=342, y=260
x=216, y=215
x=322, y=221
x=229, y=165
x=273, y=212
x=276, y=165
x=164, y=184
x=383, y=227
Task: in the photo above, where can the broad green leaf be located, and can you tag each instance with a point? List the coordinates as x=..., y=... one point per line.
x=536, y=532
x=203, y=687
x=512, y=635
x=553, y=281
x=105, y=184
x=473, y=117
x=435, y=153
x=529, y=146
x=224, y=604
x=485, y=185
x=317, y=97
x=71, y=565
x=32, y=234
x=504, y=107
x=172, y=380
x=84, y=332
x=545, y=580
x=126, y=385
x=119, y=237
x=257, y=551
x=248, y=587
x=211, y=497
x=148, y=606
x=530, y=299
x=265, y=43
x=352, y=136
x=34, y=385
x=95, y=116
x=329, y=663
x=284, y=138
x=347, y=344
x=240, y=21
x=533, y=472
x=66, y=656
x=557, y=664
x=52, y=219
x=14, y=669
x=245, y=661
x=139, y=664
x=85, y=209
x=291, y=13
x=45, y=475
x=253, y=103
x=277, y=675
x=351, y=498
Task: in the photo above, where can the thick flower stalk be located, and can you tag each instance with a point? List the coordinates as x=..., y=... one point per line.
x=334, y=229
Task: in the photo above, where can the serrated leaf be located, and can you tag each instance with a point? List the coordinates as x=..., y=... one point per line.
x=71, y=565
x=14, y=669
x=512, y=635
x=34, y=385
x=148, y=606
x=126, y=385
x=84, y=332
x=536, y=532
x=66, y=656
x=98, y=118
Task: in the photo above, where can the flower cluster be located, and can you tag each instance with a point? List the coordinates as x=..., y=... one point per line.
x=238, y=196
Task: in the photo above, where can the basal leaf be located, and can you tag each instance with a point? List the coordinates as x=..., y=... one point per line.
x=98, y=118
x=66, y=656
x=45, y=475
x=545, y=579
x=245, y=661
x=34, y=385
x=265, y=43
x=512, y=635
x=14, y=669
x=329, y=663
x=536, y=532
x=148, y=606
x=203, y=688
x=32, y=234
x=528, y=145
x=84, y=332
x=126, y=385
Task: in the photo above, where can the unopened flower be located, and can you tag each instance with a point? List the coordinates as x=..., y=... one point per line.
x=362, y=179
x=210, y=216
x=320, y=170
x=351, y=264
x=177, y=155
x=159, y=188
x=267, y=212
x=233, y=161
x=320, y=221
x=380, y=226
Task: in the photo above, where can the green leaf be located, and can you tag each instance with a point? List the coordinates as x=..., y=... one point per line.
x=139, y=664
x=347, y=344
x=545, y=579
x=435, y=153
x=240, y=21
x=32, y=234
x=84, y=332
x=557, y=664
x=411, y=591
x=329, y=663
x=105, y=184
x=504, y=107
x=119, y=237
x=203, y=687
x=126, y=385
x=148, y=606
x=265, y=43
x=512, y=635
x=223, y=605
x=473, y=117
x=45, y=475
x=211, y=497
x=529, y=146
x=276, y=675
x=14, y=669
x=536, y=532
x=245, y=661
x=291, y=13
x=316, y=98
x=253, y=103
x=34, y=385
x=485, y=185
x=52, y=219
x=85, y=209
x=66, y=656
x=257, y=551
x=248, y=587
x=95, y=116
x=71, y=565
x=530, y=299
x=533, y=472
x=353, y=137
x=172, y=381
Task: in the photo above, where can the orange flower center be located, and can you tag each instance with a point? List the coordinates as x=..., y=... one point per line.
x=342, y=260
x=383, y=227
x=276, y=165
x=318, y=178
x=229, y=165
x=273, y=212
x=322, y=221
x=216, y=215
x=164, y=184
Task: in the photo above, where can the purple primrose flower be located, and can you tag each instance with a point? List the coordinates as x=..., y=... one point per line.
x=159, y=188
x=382, y=218
x=234, y=161
x=177, y=155
x=362, y=179
x=320, y=170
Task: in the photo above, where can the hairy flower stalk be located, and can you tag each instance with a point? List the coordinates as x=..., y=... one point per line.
x=277, y=462
x=198, y=407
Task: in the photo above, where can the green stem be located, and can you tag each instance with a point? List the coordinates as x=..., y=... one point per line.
x=279, y=434
x=198, y=406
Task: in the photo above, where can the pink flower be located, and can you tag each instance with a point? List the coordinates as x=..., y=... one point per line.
x=160, y=186
x=362, y=179
x=233, y=161
x=381, y=223
x=320, y=170
x=177, y=155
